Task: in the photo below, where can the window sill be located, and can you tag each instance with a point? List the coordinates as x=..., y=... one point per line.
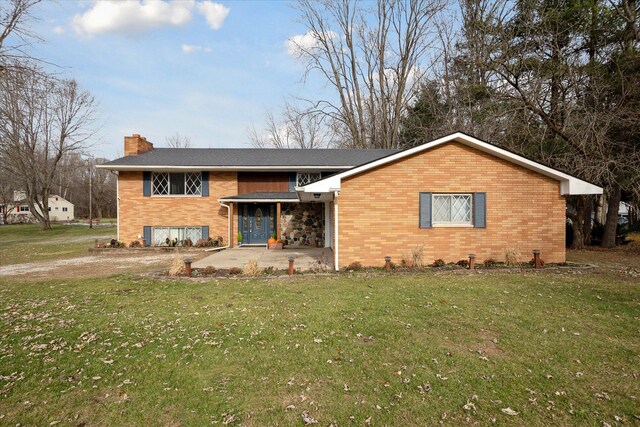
x=452, y=225
x=181, y=196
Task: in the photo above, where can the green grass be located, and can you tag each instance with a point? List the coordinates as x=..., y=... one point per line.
x=21, y=243
x=559, y=349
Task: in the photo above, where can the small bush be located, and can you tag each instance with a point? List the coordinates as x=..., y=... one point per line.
x=463, y=263
x=416, y=256
x=269, y=270
x=177, y=267
x=187, y=243
x=511, y=257
x=251, y=268
x=439, y=263
x=234, y=271
x=116, y=244
x=209, y=270
x=201, y=243
x=171, y=243
x=355, y=266
x=490, y=262
x=135, y=244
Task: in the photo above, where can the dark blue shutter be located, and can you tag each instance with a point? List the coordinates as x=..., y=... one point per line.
x=292, y=181
x=146, y=184
x=146, y=233
x=205, y=184
x=480, y=210
x=205, y=232
x=425, y=210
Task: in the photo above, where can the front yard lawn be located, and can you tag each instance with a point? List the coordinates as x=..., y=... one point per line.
x=20, y=243
x=535, y=348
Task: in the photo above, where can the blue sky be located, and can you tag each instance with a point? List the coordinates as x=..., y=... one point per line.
x=206, y=70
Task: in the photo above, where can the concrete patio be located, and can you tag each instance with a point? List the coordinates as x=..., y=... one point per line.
x=305, y=258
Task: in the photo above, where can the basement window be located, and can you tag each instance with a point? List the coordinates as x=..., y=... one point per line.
x=176, y=184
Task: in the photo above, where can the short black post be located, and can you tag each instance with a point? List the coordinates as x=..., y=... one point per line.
x=291, y=259
x=387, y=263
x=187, y=267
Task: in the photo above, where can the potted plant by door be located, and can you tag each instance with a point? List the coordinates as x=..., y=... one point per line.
x=273, y=243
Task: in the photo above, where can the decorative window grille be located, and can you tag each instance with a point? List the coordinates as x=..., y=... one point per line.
x=304, y=178
x=452, y=209
x=177, y=184
x=159, y=235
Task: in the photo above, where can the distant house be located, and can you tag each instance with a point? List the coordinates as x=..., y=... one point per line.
x=60, y=209
x=446, y=198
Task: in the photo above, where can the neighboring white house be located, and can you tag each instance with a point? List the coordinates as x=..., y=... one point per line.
x=60, y=209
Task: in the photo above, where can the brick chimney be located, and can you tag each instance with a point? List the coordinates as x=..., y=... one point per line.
x=136, y=144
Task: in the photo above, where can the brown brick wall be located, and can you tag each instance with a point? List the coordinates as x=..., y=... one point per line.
x=136, y=211
x=379, y=209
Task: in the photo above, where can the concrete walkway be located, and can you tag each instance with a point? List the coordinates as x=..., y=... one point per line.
x=305, y=258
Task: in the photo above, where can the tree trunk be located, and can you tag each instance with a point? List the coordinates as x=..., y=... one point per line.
x=611, y=223
x=587, y=220
x=577, y=220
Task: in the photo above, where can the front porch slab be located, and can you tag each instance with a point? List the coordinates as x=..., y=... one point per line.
x=305, y=258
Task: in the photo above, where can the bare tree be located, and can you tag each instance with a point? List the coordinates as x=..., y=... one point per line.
x=13, y=15
x=296, y=128
x=41, y=120
x=178, y=141
x=371, y=56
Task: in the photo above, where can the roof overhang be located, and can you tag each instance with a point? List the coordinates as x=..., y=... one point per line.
x=170, y=168
x=569, y=185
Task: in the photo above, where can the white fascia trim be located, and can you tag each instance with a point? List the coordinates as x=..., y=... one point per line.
x=259, y=200
x=569, y=185
x=169, y=168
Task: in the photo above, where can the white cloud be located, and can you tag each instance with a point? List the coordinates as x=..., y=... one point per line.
x=132, y=16
x=303, y=42
x=214, y=13
x=192, y=48
x=58, y=29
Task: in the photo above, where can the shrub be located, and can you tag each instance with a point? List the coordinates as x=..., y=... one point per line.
x=463, y=263
x=116, y=243
x=233, y=271
x=209, y=270
x=490, y=262
x=511, y=257
x=171, y=243
x=251, y=268
x=269, y=270
x=355, y=266
x=135, y=244
x=187, y=243
x=439, y=263
x=416, y=256
x=201, y=243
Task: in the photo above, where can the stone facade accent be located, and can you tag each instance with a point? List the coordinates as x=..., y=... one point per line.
x=302, y=224
x=379, y=210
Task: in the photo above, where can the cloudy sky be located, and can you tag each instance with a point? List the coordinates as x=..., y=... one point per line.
x=205, y=69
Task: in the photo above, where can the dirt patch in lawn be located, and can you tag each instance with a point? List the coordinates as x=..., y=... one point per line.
x=95, y=265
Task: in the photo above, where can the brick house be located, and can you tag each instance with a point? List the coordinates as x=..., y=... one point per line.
x=450, y=197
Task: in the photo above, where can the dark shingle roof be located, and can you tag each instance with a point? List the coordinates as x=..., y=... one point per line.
x=263, y=196
x=251, y=157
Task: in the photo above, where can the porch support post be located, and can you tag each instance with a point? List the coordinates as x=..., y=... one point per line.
x=327, y=224
x=277, y=221
x=233, y=235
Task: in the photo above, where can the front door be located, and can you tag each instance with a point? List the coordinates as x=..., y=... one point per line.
x=255, y=223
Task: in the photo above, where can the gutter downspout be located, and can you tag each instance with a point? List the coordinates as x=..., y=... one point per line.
x=228, y=230
x=335, y=229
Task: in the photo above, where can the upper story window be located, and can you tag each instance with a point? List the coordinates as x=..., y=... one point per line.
x=304, y=178
x=452, y=209
x=178, y=184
